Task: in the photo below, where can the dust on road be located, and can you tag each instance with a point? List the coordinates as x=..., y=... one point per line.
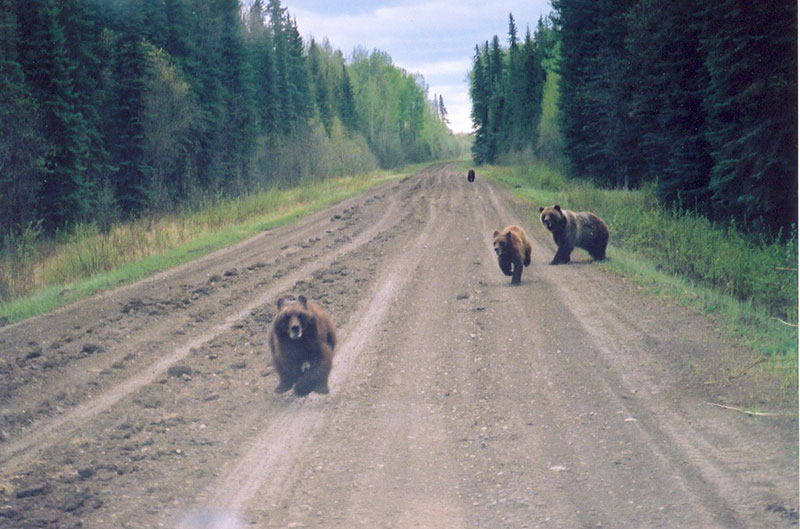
x=456, y=400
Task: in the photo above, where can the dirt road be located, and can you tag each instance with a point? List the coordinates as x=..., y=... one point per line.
x=456, y=400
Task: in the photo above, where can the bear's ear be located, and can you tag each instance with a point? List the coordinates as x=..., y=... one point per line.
x=281, y=302
x=303, y=301
x=557, y=207
x=496, y=233
x=541, y=209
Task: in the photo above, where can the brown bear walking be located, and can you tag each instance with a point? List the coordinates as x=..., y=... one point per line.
x=302, y=342
x=570, y=229
x=513, y=251
x=471, y=175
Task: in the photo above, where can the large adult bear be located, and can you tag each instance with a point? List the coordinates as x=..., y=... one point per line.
x=471, y=175
x=570, y=229
x=302, y=342
x=513, y=251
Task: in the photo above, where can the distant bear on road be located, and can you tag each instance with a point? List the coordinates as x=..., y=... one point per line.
x=513, y=251
x=471, y=175
x=302, y=342
x=570, y=229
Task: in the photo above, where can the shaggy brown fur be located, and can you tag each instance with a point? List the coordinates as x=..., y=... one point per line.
x=513, y=251
x=570, y=229
x=302, y=342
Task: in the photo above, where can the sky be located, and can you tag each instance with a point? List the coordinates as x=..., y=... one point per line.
x=435, y=38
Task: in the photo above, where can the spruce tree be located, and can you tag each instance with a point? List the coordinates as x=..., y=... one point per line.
x=668, y=118
x=479, y=93
x=263, y=69
x=497, y=100
x=85, y=50
x=237, y=128
x=595, y=89
x=22, y=148
x=751, y=100
x=511, y=137
x=63, y=190
x=127, y=143
x=347, y=103
x=300, y=99
x=535, y=50
x=442, y=110
x=322, y=92
x=285, y=116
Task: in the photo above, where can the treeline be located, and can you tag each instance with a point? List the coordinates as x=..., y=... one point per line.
x=697, y=98
x=506, y=87
x=113, y=108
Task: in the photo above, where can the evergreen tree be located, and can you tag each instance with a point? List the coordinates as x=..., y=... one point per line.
x=497, y=99
x=263, y=68
x=511, y=137
x=595, y=94
x=751, y=100
x=479, y=93
x=127, y=144
x=85, y=50
x=237, y=128
x=63, y=190
x=535, y=51
x=21, y=148
x=667, y=111
x=285, y=116
x=442, y=110
x=300, y=99
x=322, y=92
x=347, y=103
x=182, y=33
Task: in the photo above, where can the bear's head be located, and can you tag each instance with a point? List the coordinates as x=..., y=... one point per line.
x=553, y=218
x=294, y=319
x=502, y=242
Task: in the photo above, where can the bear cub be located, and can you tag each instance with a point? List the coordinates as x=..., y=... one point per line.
x=471, y=175
x=513, y=251
x=570, y=229
x=302, y=342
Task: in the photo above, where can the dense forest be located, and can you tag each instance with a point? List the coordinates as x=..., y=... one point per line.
x=698, y=99
x=115, y=108
x=507, y=87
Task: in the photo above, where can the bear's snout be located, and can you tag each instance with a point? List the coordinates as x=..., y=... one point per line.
x=295, y=331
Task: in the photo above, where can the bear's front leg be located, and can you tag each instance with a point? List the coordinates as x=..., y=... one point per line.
x=562, y=255
x=285, y=376
x=516, y=278
x=315, y=378
x=505, y=265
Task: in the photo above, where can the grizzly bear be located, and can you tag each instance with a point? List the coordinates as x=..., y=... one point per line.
x=513, y=251
x=302, y=342
x=570, y=229
x=471, y=175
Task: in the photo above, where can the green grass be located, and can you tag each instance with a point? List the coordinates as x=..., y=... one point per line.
x=38, y=275
x=748, y=282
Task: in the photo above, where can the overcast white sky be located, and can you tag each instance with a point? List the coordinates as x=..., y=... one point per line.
x=435, y=38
